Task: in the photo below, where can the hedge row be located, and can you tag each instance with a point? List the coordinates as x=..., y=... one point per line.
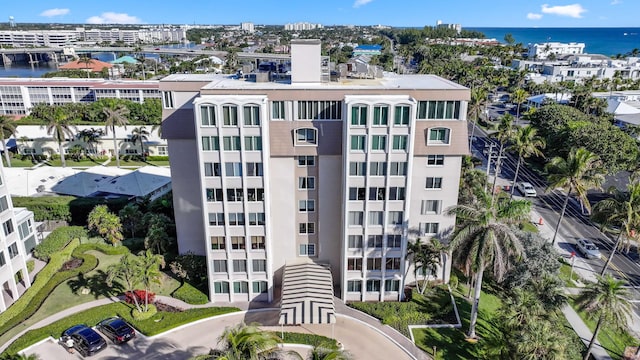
x=66, y=208
x=57, y=240
x=189, y=294
x=160, y=322
x=307, y=339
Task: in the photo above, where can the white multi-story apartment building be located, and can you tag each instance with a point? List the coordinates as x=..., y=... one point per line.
x=302, y=26
x=247, y=26
x=267, y=175
x=544, y=50
x=581, y=67
x=60, y=38
x=17, y=239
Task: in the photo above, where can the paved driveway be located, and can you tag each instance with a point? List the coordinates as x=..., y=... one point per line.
x=360, y=340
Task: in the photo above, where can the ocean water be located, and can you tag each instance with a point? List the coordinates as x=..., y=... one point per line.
x=605, y=41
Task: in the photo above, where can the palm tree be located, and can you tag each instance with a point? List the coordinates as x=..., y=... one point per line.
x=623, y=210
x=127, y=270
x=541, y=340
x=606, y=300
x=58, y=126
x=115, y=116
x=140, y=134
x=7, y=130
x=150, y=273
x=327, y=353
x=426, y=259
x=90, y=137
x=525, y=143
x=484, y=236
x=87, y=61
x=477, y=103
x=504, y=133
x=246, y=342
x=577, y=173
x=519, y=96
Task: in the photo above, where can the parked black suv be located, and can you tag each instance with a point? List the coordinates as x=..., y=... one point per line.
x=116, y=330
x=86, y=340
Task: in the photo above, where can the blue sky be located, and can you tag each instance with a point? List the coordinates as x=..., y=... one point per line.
x=469, y=13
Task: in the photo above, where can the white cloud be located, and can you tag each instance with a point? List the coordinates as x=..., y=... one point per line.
x=534, y=16
x=574, y=10
x=359, y=3
x=54, y=12
x=113, y=18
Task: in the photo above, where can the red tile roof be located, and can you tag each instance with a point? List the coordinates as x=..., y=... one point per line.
x=94, y=65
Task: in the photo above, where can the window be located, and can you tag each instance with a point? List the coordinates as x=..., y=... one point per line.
x=306, y=161
x=251, y=115
x=230, y=115
x=438, y=109
x=233, y=169
x=320, y=110
x=357, y=142
x=208, y=115
x=354, y=264
x=259, y=265
x=396, y=193
x=359, y=115
x=234, y=195
x=253, y=143
x=392, y=285
x=212, y=169
x=217, y=243
x=429, y=228
x=374, y=264
x=392, y=263
x=307, y=249
x=306, y=136
x=239, y=265
x=260, y=287
x=379, y=142
x=236, y=219
x=398, y=168
x=357, y=193
x=308, y=183
x=357, y=168
x=240, y=287
x=435, y=160
x=434, y=183
x=374, y=241
x=216, y=219
x=401, y=115
x=373, y=285
x=375, y=218
x=256, y=219
x=355, y=218
x=277, y=110
x=354, y=286
x=254, y=169
x=377, y=193
x=306, y=205
x=219, y=266
x=256, y=194
x=7, y=226
x=214, y=195
x=167, y=99
x=438, y=136
x=396, y=217
x=394, y=241
x=210, y=143
x=4, y=204
x=380, y=115
x=430, y=207
x=3, y=261
x=13, y=250
x=237, y=243
x=231, y=143
x=307, y=228
x=24, y=230
x=355, y=242
x=378, y=168
x=221, y=287
x=400, y=142
x=257, y=242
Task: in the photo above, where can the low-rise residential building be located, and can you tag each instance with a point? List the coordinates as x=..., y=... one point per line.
x=580, y=67
x=547, y=49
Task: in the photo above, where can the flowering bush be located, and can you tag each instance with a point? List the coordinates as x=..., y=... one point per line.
x=139, y=296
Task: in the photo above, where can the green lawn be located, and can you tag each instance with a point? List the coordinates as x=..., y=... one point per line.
x=565, y=271
x=137, y=163
x=18, y=162
x=15, y=162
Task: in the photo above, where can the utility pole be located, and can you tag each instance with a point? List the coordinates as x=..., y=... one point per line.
x=489, y=164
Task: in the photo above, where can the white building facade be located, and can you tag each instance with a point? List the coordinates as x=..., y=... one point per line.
x=544, y=50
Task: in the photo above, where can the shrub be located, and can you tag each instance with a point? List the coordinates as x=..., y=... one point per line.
x=144, y=315
x=453, y=281
x=157, y=158
x=65, y=208
x=57, y=240
x=190, y=295
x=139, y=295
x=31, y=264
x=307, y=339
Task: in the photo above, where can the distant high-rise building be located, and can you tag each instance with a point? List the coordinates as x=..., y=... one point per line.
x=456, y=27
x=299, y=26
x=12, y=21
x=247, y=26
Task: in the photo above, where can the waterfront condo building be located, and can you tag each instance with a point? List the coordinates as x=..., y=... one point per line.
x=341, y=173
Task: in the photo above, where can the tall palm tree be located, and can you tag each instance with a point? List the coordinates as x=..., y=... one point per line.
x=246, y=342
x=525, y=143
x=477, y=103
x=115, y=116
x=58, y=126
x=623, y=210
x=426, y=258
x=484, y=237
x=150, y=273
x=606, y=300
x=140, y=134
x=7, y=130
x=87, y=61
x=519, y=96
x=90, y=137
x=504, y=133
x=577, y=173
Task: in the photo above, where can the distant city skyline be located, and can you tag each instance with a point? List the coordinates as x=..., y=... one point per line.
x=413, y=13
